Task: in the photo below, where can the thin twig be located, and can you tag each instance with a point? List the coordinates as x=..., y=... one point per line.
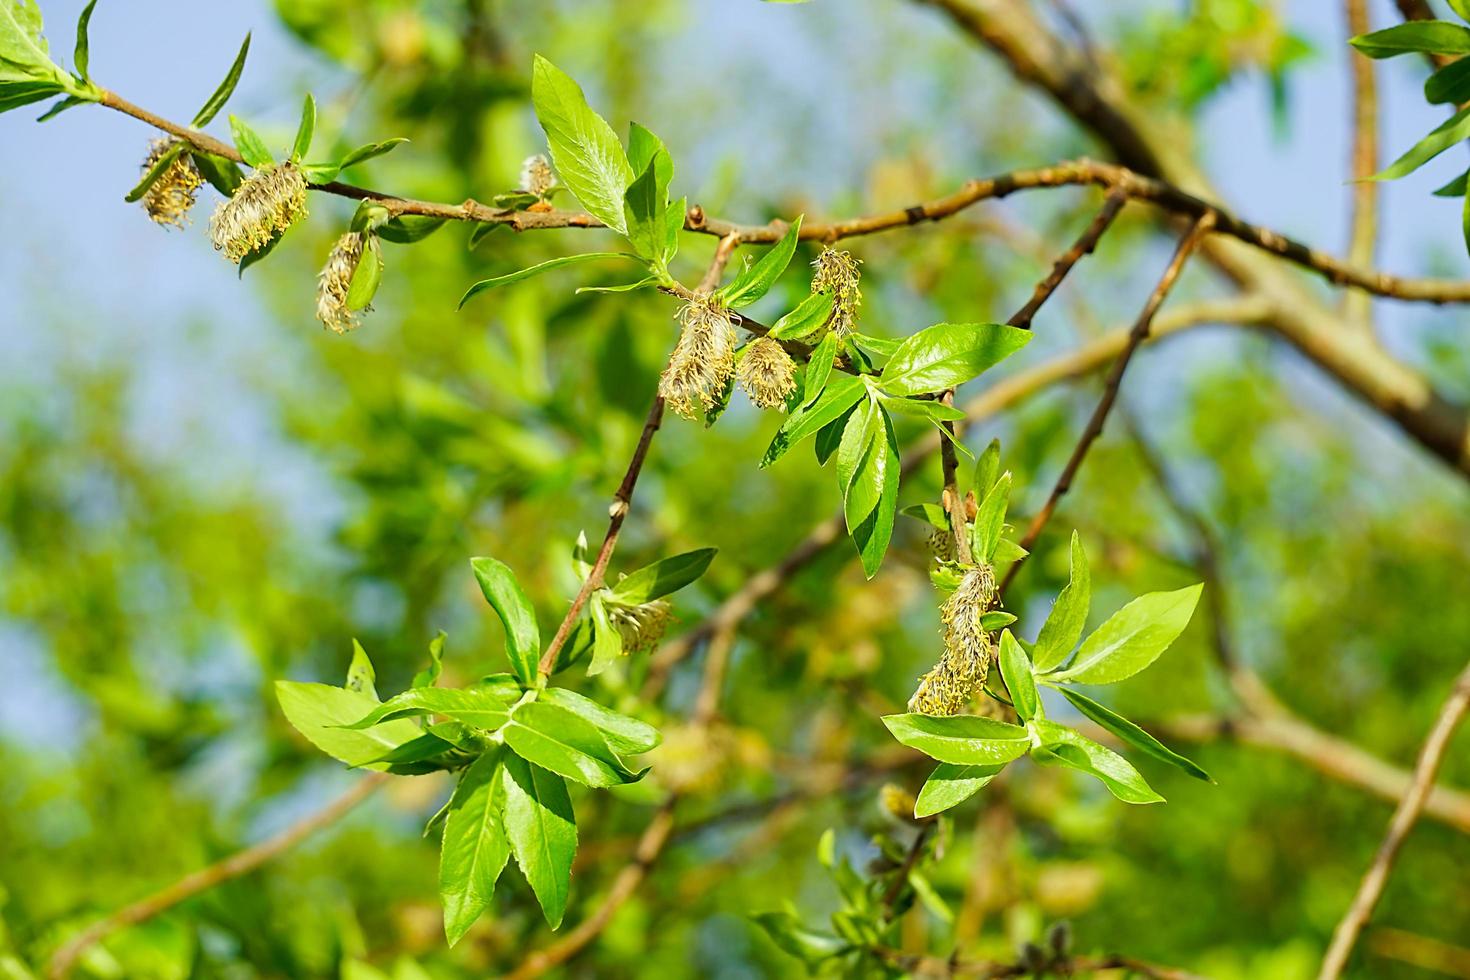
x=234, y=866
x=1099, y=418
x=1404, y=818
x=1084, y=245
x=1068, y=173
x=1363, y=238
x=617, y=513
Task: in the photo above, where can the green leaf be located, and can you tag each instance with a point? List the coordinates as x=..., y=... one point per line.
x=61, y=105
x=27, y=73
x=1435, y=36
x=931, y=514
x=81, y=57
x=522, y=636
x=607, y=641
x=644, y=148
x=996, y=619
x=539, y=268
x=475, y=848
x=305, y=129
x=990, y=518
x=367, y=276
x=360, y=673
x=1451, y=84
x=318, y=711
x=368, y=151
x=785, y=929
x=1063, y=627
x=878, y=346
x=405, y=229
x=477, y=707
x=160, y=166
x=950, y=785
x=987, y=468
x=542, y=831
x=429, y=676
x=835, y=400
x=409, y=758
x=563, y=741
x=223, y=174
x=588, y=157
x=1460, y=7
x=819, y=368
x=1015, y=669
x=829, y=437
x=867, y=474
x=960, y=739
x=260, y=253
x=1132, y=638
x=1063, y=746
x=664, y=576
x=810, y=315
x=625, y=735
x=252, y=148
x=674, y=217
x=221, y=95
x=948, y=354
x=1131, y=733
x=643, y=212
x=757, y=279
x=1453, y=130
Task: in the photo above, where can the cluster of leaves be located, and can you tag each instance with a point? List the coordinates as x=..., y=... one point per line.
x=514, y=739
x=971, y=750
x=1449, y=85
x=27, y=73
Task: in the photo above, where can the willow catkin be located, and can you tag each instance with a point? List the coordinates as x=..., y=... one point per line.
x=334, y=281
x=702, y=360
x=170, y=198
x=838, y=275
x=270, y=200
x=767, y=373
x=968, y=648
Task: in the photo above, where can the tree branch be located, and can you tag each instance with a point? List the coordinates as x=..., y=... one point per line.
x=1404, y=818
x=1363, y=238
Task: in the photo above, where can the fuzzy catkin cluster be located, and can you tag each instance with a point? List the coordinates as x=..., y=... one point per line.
x=838, y=275
x=536, y=175
x=702, y=361
x=767, y=373
x=171, y=197
x=335, y=280
x=640, y=626
x=965, y=663
x=270, y=200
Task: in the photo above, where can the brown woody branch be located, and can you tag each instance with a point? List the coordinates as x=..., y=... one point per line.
x=1363, y=237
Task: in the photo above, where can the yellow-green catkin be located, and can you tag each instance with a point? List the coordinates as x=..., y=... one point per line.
x=702, y=361
x=269, y=201
x=968, y=648
x=839, y=276
x=171, y=197
x=641, y=626
x=335, y=279
x=536, y=175
x=767, y=373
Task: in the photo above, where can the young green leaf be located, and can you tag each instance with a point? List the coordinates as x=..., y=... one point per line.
x=960, y=739
x=305, y=129
x=757, y=279
x=819, y=369
x=368, y=151
x=625, y=735
x=1063, y=627
x=665, y=576
x=990, y=518
x=1015, y=669
x=931, y=514
x=477, y=707
x=644, y=149
x=522, y=636
x=405, y=229
x=221, y=95
x=318, y=711
x=224, y=175
x=809, y=316
x=867, y=472
x=949, y=354
x=1131, y=733
x=878, y=346
x=1434, y=36
x=950, y=785
x=410, y=757
x=643, y=212
x=1132, y=638
x=542, y=831
x=924, y=408
x=81, y=57
x=563, y=741
x=475, y=848
x=588, y=157
x=252, y=148
x=1453, y=130
x=1061, y=745
x=785, y=929
x=160, y=166
x=429, y=676
x=367, y=276
x=537, y=269
x=834, y=402
x=1451, y=84
x=27, y=73
x=987, y=469
x=607, y=641
x=360, y=673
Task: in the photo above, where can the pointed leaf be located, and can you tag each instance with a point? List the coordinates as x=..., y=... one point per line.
x=305, y=130
x=960, y=739
x=475, y=848
x=1015, y=669
x=537, y=269
x=949, y=354
x=1435, y=36
x=522, y=635
x=757, y=279
x=1131, y=733
x=625, y=735
x=1132, y=638
x=542, y=831
x=252, y=148
x=318, y=711
x=810, y=315
x=665, y=576
x=478, y=707
x=1061, y=745
x=558, y=739
x=221, y=95
x=1448, y=133
x=1063, y=627
x=950, y=785
x=588, y=157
